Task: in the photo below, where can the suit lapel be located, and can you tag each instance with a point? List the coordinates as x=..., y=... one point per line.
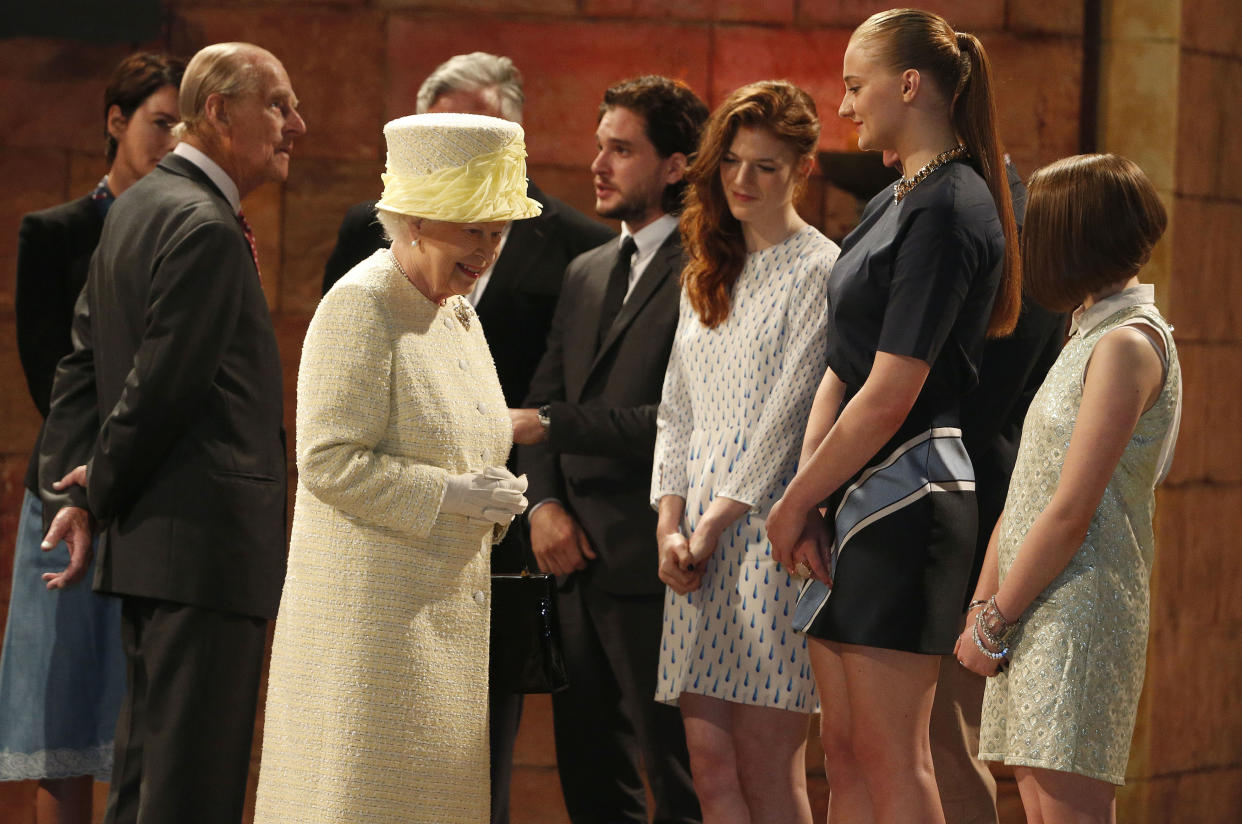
x=658, y=271
x=178, y=165
x=526, y=243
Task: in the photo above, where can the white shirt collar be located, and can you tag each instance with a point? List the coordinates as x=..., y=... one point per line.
x=648, y=241
x=1085, y=320
x=214, y=172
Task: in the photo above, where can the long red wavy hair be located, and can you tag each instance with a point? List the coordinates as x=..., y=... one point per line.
x=711, y=236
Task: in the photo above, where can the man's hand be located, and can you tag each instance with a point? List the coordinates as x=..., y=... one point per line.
x=527, y=429
x=559, y=544
x=72, y=525
x=76, y=477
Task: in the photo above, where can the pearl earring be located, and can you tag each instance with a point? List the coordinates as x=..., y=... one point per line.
x=414, y=241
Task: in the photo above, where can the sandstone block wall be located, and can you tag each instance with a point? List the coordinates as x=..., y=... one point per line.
x=357, y=63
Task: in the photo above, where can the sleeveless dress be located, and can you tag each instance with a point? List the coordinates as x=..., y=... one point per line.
x=734, y=408
x=916, y=278
x=1069, y=697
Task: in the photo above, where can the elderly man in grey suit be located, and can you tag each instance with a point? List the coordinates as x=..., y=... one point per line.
x=182, y=468
x=589, y=437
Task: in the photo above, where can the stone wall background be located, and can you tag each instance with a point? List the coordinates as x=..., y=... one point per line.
x=357, y=63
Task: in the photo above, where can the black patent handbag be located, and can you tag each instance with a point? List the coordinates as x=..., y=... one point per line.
x=526, y=638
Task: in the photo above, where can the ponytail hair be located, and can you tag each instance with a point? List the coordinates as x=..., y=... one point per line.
x=958, y=66
x=974, y=117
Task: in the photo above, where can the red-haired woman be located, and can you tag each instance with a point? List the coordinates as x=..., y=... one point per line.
x=931, y=269
x=748, y=354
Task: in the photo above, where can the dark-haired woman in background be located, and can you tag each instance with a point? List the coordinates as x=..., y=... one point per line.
x=931, y=269
x=1064, y=588
x=748, y=354
x=62, y=672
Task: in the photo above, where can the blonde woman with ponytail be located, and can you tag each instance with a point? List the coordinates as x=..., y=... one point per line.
x=931, y=270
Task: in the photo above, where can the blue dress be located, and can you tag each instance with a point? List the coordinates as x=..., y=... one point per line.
x=62, y=669
x=733, y=412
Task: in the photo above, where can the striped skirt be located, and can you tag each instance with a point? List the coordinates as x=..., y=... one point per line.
x=905, y=538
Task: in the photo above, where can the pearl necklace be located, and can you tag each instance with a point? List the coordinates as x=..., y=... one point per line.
x=461, y=309
x=903, y=186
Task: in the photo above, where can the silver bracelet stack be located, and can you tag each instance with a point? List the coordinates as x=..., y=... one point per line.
x=992, y=625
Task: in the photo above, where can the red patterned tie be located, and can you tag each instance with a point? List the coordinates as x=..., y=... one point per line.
x=254, y=249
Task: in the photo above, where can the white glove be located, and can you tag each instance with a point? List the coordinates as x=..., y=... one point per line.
x=494, y=494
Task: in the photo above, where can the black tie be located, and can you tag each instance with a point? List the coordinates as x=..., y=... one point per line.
x=618, y=285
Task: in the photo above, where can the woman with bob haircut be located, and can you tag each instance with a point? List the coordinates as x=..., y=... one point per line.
x=62, y=672
x=748, y=354
x=930, y=271
x=1063, y=596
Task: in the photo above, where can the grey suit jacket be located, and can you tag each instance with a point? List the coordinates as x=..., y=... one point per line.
x=597, y=459
x=174, y=346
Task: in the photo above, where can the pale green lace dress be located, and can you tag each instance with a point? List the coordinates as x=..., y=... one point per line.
x=1068, y=699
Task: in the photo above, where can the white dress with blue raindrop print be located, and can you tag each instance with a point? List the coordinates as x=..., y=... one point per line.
x=732, y=416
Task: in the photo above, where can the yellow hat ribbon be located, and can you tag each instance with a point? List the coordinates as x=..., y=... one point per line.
x=488, y=187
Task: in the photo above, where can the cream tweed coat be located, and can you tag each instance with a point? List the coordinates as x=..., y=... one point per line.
x=377, y=697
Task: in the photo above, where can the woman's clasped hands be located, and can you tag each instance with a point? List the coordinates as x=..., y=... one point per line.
x=801, y=543
x=495, y=495
x=975, y=652
x=680, y=568
x=683, y=560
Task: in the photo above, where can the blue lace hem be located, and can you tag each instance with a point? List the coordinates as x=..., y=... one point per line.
x=63, y=763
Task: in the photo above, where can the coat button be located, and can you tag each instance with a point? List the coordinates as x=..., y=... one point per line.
x=480, y=598
x=481, y=407
x=462, y=363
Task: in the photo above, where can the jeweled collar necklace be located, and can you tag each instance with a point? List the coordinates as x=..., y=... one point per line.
x=903, y=186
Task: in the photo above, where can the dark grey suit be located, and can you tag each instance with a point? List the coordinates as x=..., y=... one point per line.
x=597, y=461
x=186, y=476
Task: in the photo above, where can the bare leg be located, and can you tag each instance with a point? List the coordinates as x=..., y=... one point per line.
x=713, y=759
x=748, y=763
x=849, y=801
x=967, y=789
x=890, y=704
x=64, y=800
x=771, y=752
x=1029, y=793
x=1069, y=798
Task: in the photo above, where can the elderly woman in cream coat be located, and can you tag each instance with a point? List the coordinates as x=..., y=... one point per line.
x=377, y=698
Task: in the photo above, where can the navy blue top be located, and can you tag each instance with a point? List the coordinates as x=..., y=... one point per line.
x=918, y=278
